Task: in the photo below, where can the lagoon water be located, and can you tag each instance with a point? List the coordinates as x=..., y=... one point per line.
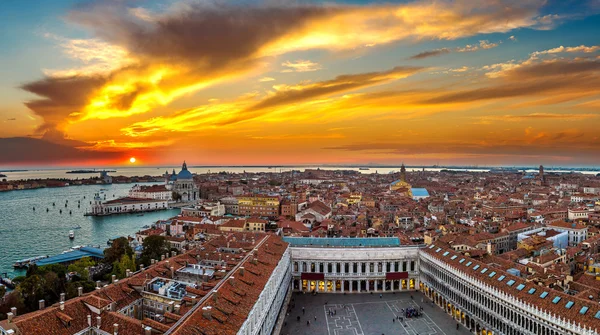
x=26, y=233
x=158, y=171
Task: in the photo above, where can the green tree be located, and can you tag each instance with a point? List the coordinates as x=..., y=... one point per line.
x=12, y=299
x=120, y=267
x=80, y=267
x=154, y=246
x=118, y=248
x=32, y=291
x=72, y=287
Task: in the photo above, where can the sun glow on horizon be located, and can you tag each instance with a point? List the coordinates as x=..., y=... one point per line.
x=132, y=160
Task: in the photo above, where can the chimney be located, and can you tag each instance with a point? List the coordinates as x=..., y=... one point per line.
x=89, y=320
x=13, y=310
x=62, y=297
x=127, y=273
x=62, y=305
x=232, y=280
x=114, y=278
x=148, y=331
x=228, y=244
x=177, y=308
x=215, y=295
x=152, y=261
x=97, y=284
x=167, y=262
x=10, y=317
x=141, y=267
x=241, y=271
x=162, y=257
x=173, y=253
x=170, y=307
x=98, y=322
x=116, y=328
x=172, y=272
x=207, y=312
x=254, y=260
x=41, y=304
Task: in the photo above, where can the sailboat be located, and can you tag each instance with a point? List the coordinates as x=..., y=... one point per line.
x=71, y=234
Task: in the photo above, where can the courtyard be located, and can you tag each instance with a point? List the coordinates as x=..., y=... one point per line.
x=366, y=314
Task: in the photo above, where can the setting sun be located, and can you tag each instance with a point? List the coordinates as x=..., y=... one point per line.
x=132, y=160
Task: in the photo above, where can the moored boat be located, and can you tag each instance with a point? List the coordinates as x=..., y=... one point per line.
x=23, y=263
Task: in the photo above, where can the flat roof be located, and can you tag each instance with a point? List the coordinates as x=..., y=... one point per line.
x=72, y=256
x=419, y=192
x=343, y=241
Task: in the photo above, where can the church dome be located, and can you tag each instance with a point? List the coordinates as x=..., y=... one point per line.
x=184, y=173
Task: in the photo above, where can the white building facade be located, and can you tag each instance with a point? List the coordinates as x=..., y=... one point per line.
x=355, y=270
x=125, y=205
x=263, y=316
x=157, y=192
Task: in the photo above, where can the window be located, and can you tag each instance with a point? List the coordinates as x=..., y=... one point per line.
x=597, y=316
x=520, y=287
x=555, y=300
x=453, y=257
x=501, y=278
x=543, y=295
x=461, y=260
x=476, y=267
x=569, y=304
x=484, y=270
x=531, y=291
x=469, y=264
x=432, y=246
x=492, y=274
x=445, y=254
x=583, y=310
x=510, y=282
x=438, y=249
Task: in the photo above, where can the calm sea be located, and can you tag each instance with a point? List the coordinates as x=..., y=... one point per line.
x=156, y=171
x=27, y=233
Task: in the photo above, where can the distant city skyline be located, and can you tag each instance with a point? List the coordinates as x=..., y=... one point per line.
x=488, y=83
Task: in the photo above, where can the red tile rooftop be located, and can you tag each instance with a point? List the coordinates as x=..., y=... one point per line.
x=563, y=224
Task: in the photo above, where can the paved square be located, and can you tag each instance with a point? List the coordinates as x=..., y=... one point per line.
x=366, y=314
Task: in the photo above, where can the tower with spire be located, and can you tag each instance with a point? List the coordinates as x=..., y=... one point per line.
x=401, y=186
x=403, y=173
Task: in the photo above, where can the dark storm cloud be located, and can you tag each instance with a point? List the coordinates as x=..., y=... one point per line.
x=208, y=34
x=61, y=97
x=22, y=150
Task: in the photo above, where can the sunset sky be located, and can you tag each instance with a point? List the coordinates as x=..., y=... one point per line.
x=514, y=82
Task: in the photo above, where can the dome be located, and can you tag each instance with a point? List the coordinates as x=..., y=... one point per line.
x=184, y=173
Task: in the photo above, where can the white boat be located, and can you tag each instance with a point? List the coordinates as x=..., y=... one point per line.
x=26, y=262
x=71, y=234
